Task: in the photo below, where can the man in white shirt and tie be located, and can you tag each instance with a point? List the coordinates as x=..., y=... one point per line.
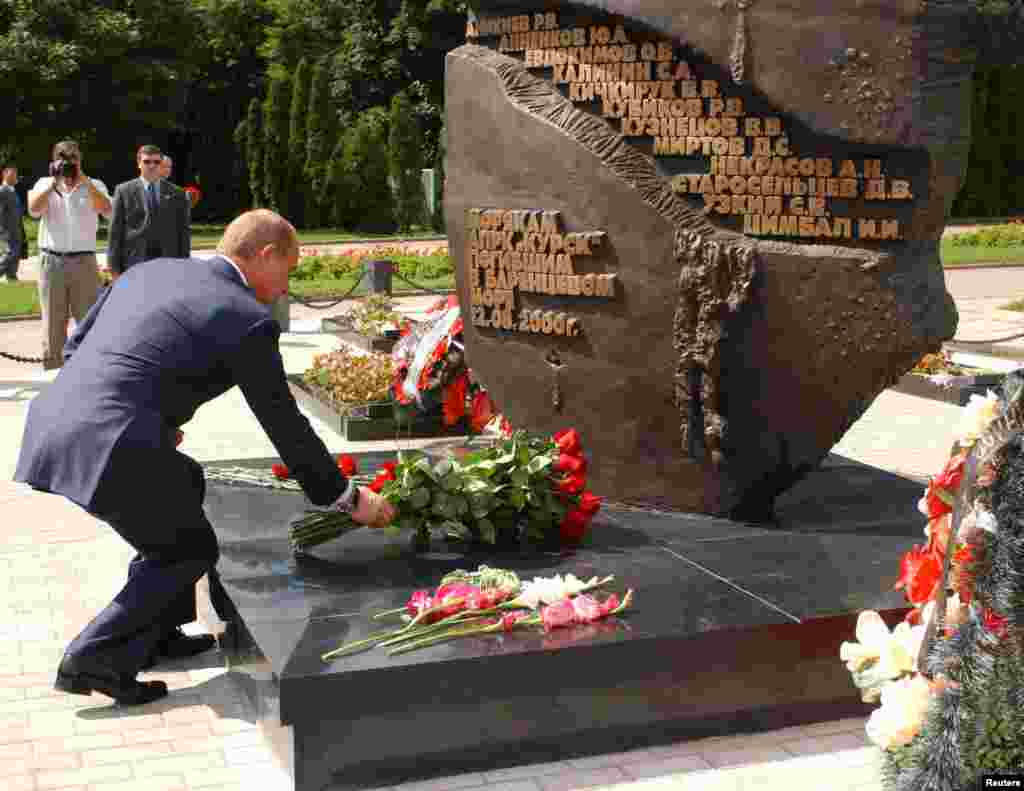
x=69, y=205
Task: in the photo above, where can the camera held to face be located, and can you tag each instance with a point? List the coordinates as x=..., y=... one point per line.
x=64, y=167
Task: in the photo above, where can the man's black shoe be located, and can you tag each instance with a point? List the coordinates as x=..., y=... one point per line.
x=81, y=677
x=178, y=645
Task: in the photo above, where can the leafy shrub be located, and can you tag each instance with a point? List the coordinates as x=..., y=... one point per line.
x=993, y=236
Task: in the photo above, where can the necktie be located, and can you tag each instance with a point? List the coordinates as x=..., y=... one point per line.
x=151, y=197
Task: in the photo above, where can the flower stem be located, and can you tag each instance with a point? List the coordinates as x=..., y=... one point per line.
x=365, y=642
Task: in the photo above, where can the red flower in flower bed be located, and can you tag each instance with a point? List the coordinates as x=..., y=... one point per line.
x=573, y=465
x=572, y=484
x=280, y=472
x=920, y=573
x=347, y=465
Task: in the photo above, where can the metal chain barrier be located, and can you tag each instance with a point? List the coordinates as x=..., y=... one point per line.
x=320, y=304
x=18, y=359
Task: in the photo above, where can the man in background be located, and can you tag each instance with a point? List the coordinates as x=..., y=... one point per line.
x=165, y=168
x=69, y=205
x=151, y=217
x=12, y=232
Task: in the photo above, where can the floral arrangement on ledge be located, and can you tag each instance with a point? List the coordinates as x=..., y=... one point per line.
x=956, y=711
x=489, y=601
x=346, y=378
x=521, y=487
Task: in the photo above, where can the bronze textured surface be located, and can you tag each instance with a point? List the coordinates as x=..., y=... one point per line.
x=729, y=357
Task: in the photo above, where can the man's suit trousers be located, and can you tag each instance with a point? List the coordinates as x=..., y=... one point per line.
x=158, y=509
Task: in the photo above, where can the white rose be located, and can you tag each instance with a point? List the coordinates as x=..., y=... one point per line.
x=899, y=720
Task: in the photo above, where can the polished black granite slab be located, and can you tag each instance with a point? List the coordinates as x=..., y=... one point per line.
x=736, y=627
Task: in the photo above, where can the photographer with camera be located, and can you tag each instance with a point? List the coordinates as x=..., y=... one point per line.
x=69, y=204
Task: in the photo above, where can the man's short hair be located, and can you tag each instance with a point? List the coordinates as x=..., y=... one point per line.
x=66, y=147
x=148, y=149
x=167, y=158
x=252, y=231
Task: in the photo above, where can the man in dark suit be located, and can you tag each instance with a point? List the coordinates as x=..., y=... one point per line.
x=12, y=231
x=165, y=338
x=151, y=217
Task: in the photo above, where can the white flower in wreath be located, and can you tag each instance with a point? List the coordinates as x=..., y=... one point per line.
x=978, y=518
x=979, y=412
x=879, y=655
x=899, y=720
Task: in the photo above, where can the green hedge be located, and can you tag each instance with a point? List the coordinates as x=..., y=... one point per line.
x=994, y=236
x=329, y=267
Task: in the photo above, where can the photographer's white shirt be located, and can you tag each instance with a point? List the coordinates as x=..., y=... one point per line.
x=70, y=222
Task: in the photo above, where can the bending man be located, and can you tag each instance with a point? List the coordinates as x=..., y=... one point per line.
x=159, y=343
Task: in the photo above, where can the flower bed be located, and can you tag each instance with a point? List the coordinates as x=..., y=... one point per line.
x=937, y=377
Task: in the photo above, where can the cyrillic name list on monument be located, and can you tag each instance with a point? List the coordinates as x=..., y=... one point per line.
x=526, y=251
x=754, y=171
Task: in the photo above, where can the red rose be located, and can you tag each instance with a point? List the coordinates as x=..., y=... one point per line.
x=455, y=400
x=568, y=441
x=571, y=464
x=347, y=465
x=377, y=484
x=920, y=573
x=481, y=410
x=590, y=503
x=572, y=484
x=573, y=526
x=388, y=468
x=419, y=601
x=280, y=471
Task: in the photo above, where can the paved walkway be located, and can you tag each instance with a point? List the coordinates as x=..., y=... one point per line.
x=61, y=566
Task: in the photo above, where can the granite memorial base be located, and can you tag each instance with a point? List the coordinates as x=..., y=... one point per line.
x=736, y=628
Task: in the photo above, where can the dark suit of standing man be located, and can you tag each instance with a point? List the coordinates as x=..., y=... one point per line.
x=151, y=217
x=163, y=339
x=12, y=231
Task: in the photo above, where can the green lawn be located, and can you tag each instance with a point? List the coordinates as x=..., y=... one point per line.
x=19, y=299
x=955, y=256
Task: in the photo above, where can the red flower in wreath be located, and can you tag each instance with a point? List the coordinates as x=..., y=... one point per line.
x=280, y=472
x=455, y=400
x=942, y=489
x=481, y=410
x=998, y=624
x=347, y=465
x=920, y=573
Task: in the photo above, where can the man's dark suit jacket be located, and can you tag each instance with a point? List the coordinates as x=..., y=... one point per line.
x=11, y=229
x=166, y=337
x=132, y=229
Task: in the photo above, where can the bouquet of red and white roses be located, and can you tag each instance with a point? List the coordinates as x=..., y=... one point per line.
x=488, y=601
x=522, y=486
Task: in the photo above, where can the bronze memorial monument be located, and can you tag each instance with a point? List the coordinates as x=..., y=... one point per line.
x=706, y=232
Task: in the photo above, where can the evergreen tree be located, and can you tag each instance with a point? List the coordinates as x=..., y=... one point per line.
x=405, y=162
x=321, y=140
x=359, y=175
x=297, y=144
x=254, y=150
x=277, y=181
x=241, y=140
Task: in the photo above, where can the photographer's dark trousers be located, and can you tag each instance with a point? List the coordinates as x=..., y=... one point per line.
x=10, y=259
x=156, y=505
x=68, y=284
